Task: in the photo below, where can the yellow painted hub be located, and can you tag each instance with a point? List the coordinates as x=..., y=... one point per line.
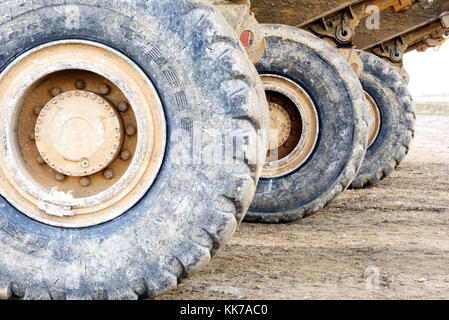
x=280, y=126
x=373, y=118
x=78, y=133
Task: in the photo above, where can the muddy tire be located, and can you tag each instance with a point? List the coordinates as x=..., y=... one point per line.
x=334, y=90
x=204, y=81
x=396, y=112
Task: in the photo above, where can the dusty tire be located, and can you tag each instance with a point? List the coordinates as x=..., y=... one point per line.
x=397, y=120
x=336, y=92
x=202, y=75
x=405, y=75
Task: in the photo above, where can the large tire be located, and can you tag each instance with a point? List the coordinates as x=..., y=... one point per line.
x=191, y=210
x=338, y=97
x=389, y=91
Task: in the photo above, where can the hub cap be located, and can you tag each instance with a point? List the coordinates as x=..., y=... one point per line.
x=78, y=133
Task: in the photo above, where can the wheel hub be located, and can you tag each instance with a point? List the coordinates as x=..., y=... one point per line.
x=373, y=118
x=78, y=133
x=280, y=126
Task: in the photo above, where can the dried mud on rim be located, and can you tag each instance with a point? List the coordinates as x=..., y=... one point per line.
x=390, y=241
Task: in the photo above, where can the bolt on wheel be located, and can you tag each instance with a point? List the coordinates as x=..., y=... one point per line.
x=83, y=144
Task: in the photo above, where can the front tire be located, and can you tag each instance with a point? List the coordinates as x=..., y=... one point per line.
x=204, y=82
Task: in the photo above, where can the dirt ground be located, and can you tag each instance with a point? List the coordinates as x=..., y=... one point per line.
x=391, y=241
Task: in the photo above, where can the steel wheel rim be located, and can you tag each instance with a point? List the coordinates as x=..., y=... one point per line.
x=19, y=79
x=300, y=105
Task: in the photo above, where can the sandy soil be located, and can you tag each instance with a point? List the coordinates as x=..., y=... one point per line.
x=391, y=241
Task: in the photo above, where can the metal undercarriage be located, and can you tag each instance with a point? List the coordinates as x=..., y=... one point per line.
x=387, y=28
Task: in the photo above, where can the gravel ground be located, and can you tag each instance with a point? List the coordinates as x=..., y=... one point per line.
x=390, y=241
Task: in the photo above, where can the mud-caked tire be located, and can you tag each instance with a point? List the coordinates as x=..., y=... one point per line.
x=394, y=102
x=338, y=97
x=205, y=81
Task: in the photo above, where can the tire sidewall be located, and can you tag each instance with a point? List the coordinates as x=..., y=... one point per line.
x=394, y=102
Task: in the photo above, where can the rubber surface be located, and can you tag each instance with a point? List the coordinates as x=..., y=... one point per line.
x=339, y=100
x=205, y=80
x=397, y=117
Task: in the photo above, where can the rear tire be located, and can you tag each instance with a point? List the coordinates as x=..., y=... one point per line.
x=389, y=91
x=336, y=93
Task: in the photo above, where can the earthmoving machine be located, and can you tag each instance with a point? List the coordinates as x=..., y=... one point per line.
x=136, y=133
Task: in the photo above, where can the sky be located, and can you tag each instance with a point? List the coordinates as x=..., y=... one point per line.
x=429, y=71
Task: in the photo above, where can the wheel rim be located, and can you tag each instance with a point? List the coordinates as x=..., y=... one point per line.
x=294, y=126
x=83, y=130
x=373, y=119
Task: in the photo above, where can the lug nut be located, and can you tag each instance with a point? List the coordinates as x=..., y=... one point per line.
x=56, y=91
x=32, y=135
x=40, y=160
x=85, y=163
x=104, y=89
x=123, y=106
x=59, y=176
x=80, y=84
x=38, y=110
x=85, y=181
x=108, y=173
x=130, y=130
x=125, y=155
